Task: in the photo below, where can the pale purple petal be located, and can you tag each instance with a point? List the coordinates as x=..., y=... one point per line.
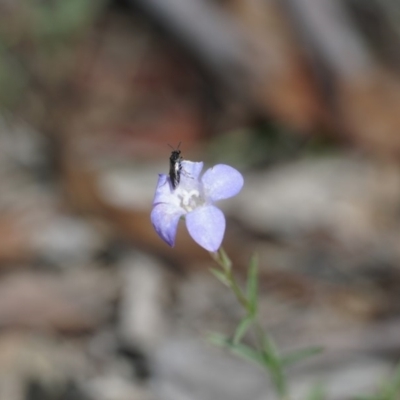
x=222, y=182
x=165, y=218
x=191, y=169
x=206, y=225
x=164, y=192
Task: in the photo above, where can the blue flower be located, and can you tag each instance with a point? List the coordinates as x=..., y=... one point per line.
x=194, y=200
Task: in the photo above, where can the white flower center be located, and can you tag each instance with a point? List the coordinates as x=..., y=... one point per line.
x=190, y=199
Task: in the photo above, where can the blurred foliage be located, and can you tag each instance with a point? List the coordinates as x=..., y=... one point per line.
x=60, y=20
x=390, y=389
x=13, y=78
x=36, y=40
x=263, y=351
x=267, y=143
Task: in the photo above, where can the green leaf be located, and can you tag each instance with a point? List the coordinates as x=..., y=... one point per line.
x=317, y=392
x=252, y=285
x=272, y=362
x=220, y=276
x=267, y=360
x=217, y=339
x=242, y=328
x=239, y=349
x=299, y=355
x=391, y=388
x=247, y=353
x=270, y=349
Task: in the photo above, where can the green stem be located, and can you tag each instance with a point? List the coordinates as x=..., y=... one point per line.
x=264, y=343
x=225, y=263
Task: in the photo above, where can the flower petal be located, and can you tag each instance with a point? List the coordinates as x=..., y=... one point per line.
x=164, y=193
x=206, y=225
x=165, y=218
x=222, y=182
x=191, y=169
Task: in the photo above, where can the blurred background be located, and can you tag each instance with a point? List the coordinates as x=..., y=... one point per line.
x=302, y=96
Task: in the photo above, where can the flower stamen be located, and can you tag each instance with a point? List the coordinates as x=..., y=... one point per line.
x=190, y=199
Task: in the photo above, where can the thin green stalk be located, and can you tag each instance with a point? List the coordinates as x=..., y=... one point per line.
x=225, y=263
x=264, y=344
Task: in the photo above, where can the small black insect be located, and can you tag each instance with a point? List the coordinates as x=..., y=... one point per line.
x=175, y=166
